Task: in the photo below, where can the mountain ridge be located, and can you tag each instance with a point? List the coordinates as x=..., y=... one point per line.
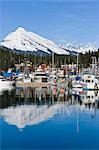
x=27, y=41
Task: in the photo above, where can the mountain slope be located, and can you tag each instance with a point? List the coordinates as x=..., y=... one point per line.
x=28, y=41
x=79, y=48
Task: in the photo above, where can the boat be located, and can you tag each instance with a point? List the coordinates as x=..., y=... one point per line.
x=89, y=82
x=5, y=83
x=40, y=76
x=52, y=80
x=76, y=84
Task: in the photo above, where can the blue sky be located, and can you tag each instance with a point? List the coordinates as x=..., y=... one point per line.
x=63, y=21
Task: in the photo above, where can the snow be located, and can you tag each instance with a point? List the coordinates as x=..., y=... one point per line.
x=79, y=48
x=29, y=41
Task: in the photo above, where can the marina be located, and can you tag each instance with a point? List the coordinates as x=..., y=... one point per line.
x=55, y=107
x=49, y=75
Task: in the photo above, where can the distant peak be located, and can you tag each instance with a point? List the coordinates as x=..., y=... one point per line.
x=20, y=29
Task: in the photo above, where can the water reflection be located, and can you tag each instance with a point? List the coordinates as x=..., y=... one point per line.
x=30, y=106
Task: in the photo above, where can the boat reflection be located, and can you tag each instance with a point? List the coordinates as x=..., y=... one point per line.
x=29, y=106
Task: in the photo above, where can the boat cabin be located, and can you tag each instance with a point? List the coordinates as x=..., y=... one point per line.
x=40, y=76
x=88, y=78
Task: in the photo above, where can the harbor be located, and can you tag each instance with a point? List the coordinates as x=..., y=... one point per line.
x=68, y=75
x=49, y=102
x=49, y=75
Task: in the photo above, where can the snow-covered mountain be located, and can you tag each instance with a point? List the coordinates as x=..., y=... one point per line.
x=28, y=41
x=79, y=48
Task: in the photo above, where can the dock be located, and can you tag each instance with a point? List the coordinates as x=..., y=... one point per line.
x=32, y=84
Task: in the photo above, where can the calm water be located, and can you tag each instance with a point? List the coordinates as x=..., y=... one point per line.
x=49, y=118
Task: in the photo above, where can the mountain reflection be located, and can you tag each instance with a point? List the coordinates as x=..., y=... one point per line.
x=30, y=106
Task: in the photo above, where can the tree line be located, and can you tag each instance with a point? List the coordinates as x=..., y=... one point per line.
x=9, y=58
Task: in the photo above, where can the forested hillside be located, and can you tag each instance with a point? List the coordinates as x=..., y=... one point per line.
x=8, y=58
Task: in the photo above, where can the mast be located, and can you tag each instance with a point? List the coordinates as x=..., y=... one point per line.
x=77, y=63
x=52, y=59
x=94, y=65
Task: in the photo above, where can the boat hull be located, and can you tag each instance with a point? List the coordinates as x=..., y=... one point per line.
x=90, y=86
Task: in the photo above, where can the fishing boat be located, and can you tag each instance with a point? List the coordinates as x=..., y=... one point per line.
x=76, y=84
x=52, y=80
x=89, y=82
x=4, y=82
x=40, y=76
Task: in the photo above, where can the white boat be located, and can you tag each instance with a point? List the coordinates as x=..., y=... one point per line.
x=76, y=84
x=52, y=80
x=5, y=83
x=89, y=82
x=40, y=76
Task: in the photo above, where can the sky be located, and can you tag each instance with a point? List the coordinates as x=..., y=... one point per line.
x=63, y=21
